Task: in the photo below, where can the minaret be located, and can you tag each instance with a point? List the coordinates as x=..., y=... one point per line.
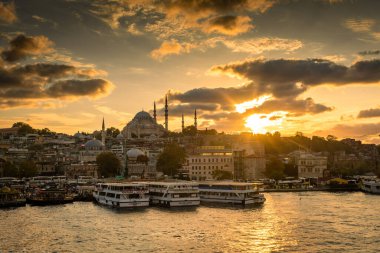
x=195, y=120
x=103, y=133
x=166, y=113
x=183, y=123
x=154, y=112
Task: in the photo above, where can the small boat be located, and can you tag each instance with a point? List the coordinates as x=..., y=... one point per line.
x=49, y=196
x=174, y=194
x=371, y=186
x=10, y=197
x=230, y=193
x=84, y=193
x=122, y=194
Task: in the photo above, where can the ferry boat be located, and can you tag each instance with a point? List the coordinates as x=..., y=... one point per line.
x=372, y=186
x=49, y=196
x=10, y=197
x=174, y=194
x=230, y=193
x=122, y=194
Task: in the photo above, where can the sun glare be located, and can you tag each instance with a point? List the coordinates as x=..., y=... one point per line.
x=263, y=123
x=243, y=107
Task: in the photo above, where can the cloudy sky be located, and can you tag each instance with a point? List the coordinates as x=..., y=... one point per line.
x=266, y=65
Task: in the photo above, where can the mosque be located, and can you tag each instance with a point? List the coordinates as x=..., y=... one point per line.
x=143, y=125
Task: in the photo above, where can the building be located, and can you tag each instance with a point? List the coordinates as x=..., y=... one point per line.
x=206, y=160
x=81, y=169
x=248, y=166
x=310, y=165
x=138, y=164
x=249, y=160
x=143, y=125
x=90, y=151
x=5, y=133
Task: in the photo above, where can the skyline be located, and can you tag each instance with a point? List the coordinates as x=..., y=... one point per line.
x=287, y=66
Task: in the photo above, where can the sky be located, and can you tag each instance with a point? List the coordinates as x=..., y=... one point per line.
x=310, y=66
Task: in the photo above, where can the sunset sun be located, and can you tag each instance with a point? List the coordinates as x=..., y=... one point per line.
x=263, y=123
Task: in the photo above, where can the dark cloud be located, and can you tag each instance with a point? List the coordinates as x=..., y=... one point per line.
x=223, y=16
x=92, y=87
x=352, y=131
x=23, y=46
x=26, y=85
x=8, y=12
x=9, y=79
x=46, y=70
x=294, y=106
x=6, y=104
x=177, y=110
x=229, y=25
x=369, y=52
x=370, y=113
x=222, y=96
x=49, y=81
x=201, y=8
x=284, y=78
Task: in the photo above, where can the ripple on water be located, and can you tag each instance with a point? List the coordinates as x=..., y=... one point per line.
x=288, y=222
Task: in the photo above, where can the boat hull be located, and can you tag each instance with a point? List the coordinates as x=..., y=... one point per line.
x=174, y=203
x=233, y=201
x=123, y=204
x=16, y=203
x=372, y=187
x=39, y=202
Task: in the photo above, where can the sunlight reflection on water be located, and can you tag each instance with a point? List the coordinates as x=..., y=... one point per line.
x=288, y=222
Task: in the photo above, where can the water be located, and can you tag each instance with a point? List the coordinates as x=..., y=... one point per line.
x=288, y=222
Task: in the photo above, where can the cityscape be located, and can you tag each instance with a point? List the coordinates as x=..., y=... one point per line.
x=189, y=126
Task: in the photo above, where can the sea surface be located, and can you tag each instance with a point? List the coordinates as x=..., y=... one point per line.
x=287, y=222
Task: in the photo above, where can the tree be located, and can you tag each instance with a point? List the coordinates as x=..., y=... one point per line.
x=222, y=174
x=28, y=169
x=108, y=164
x=45, y=131
x=274, y=168
x=190, y=131
x=10, y=170
x=24, y=128
x=171, y=159
x=208, y=132
x=331, y=138
x=112, y=131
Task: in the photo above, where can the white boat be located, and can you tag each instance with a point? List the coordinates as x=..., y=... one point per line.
x=372, y=186
x=173, y=194
x=230, y=193
x=122, y=194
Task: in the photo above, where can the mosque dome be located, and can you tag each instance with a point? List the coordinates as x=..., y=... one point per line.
x=79, y=135
x=143, y=116
x=120, y=136
x=93, y=144
x=134, y=153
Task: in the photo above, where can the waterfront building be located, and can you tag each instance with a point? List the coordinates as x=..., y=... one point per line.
x=249, y=160
x=205, y=160
x=310, y=165
x=138, y=164
x=81, y=169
